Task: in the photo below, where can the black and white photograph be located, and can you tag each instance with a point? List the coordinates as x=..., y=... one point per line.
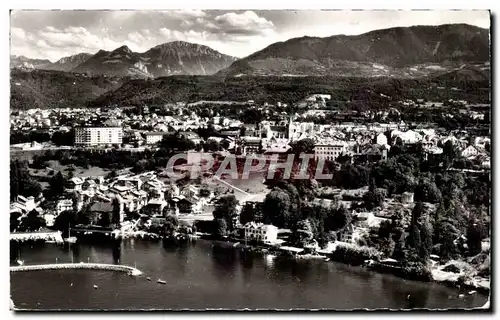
x=203, y=159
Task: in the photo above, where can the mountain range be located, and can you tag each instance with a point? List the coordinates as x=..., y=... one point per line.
x=173, y=58
x=404, y=52
x=448, y=54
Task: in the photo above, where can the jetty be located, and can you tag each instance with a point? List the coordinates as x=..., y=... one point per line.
x=91, y=266
x=47, y=236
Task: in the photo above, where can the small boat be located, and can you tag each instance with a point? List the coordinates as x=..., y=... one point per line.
x=161, y=281
x=472, y=292
x=95, y=286
x=20, y=262
x=70, y=239
x=461, y=295
x=326, y=259
x=148, y=278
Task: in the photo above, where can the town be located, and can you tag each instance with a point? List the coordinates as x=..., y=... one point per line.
x=404, y=193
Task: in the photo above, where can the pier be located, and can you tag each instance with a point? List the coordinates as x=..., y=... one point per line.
x=91, y=266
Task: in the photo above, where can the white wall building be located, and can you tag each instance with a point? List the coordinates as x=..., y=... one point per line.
x=64, y=205
x=154, y=137
x=329, y=149
x=98, y=135
x=470, y=152
x=381, y=139
x=266, y=233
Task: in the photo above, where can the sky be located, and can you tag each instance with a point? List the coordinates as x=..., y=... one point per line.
x=56, y=34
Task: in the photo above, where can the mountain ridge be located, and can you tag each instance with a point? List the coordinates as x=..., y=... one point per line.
x=385, y=52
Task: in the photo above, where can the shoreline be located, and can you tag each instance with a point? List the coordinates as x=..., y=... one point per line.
x=448, y=279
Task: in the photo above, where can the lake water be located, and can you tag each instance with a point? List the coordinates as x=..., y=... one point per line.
x=200, y=276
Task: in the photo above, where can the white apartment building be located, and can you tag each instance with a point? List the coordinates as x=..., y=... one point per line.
x=98, y=135
x=329, y=149
x=260, y=232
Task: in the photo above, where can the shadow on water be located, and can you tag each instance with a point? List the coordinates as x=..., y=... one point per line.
x=408, y=296
x=116, y=249
x=224, y=261
x=14, y=251
x=298, y=270
x=75, y=252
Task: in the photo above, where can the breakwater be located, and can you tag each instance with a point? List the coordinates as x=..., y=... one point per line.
x=92, y=266
x=46, y=236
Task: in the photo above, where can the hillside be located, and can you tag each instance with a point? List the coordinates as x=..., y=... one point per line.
x=398, y=52
x=291, y=89
x=44, y=89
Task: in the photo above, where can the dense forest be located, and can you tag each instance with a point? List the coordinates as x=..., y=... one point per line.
x=45, y=89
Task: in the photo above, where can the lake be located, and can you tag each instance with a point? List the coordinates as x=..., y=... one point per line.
x=200, y=275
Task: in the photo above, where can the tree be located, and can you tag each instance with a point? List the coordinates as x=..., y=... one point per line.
x=276, y=208
x=303, y=146
x=112, y=174
x=65, y=220
x=56, y=184
x=83, y=217
x=221, y=227
x=170, y=226
x=427, y=192
x=414, y=231
x=450, y=153
x=21, y=183
x=420, y=233
x=474, y=238
x=14, y=221
x=32, y=222
x=375, y=198
x=247, y=213
x=337, y=218
x=445, y=235
x=226, y=209
x=104, y=220
x=252, y=115
x=115, y=219
x=303, y=233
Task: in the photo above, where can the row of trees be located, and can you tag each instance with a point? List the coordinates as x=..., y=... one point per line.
x=59, y=138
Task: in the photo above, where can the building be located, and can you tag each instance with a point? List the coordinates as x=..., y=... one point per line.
x=260, y=232
x=369, y=153
x=23, y=205
x=407, y=197
x=99, y=209
x=251, y=145
x=154, y=137
x=90, y=136
x=64, y=205
x=381, y=139
x=329, y=149
x=470, y=152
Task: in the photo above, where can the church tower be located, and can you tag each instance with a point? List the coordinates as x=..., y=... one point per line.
x=291, y=128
